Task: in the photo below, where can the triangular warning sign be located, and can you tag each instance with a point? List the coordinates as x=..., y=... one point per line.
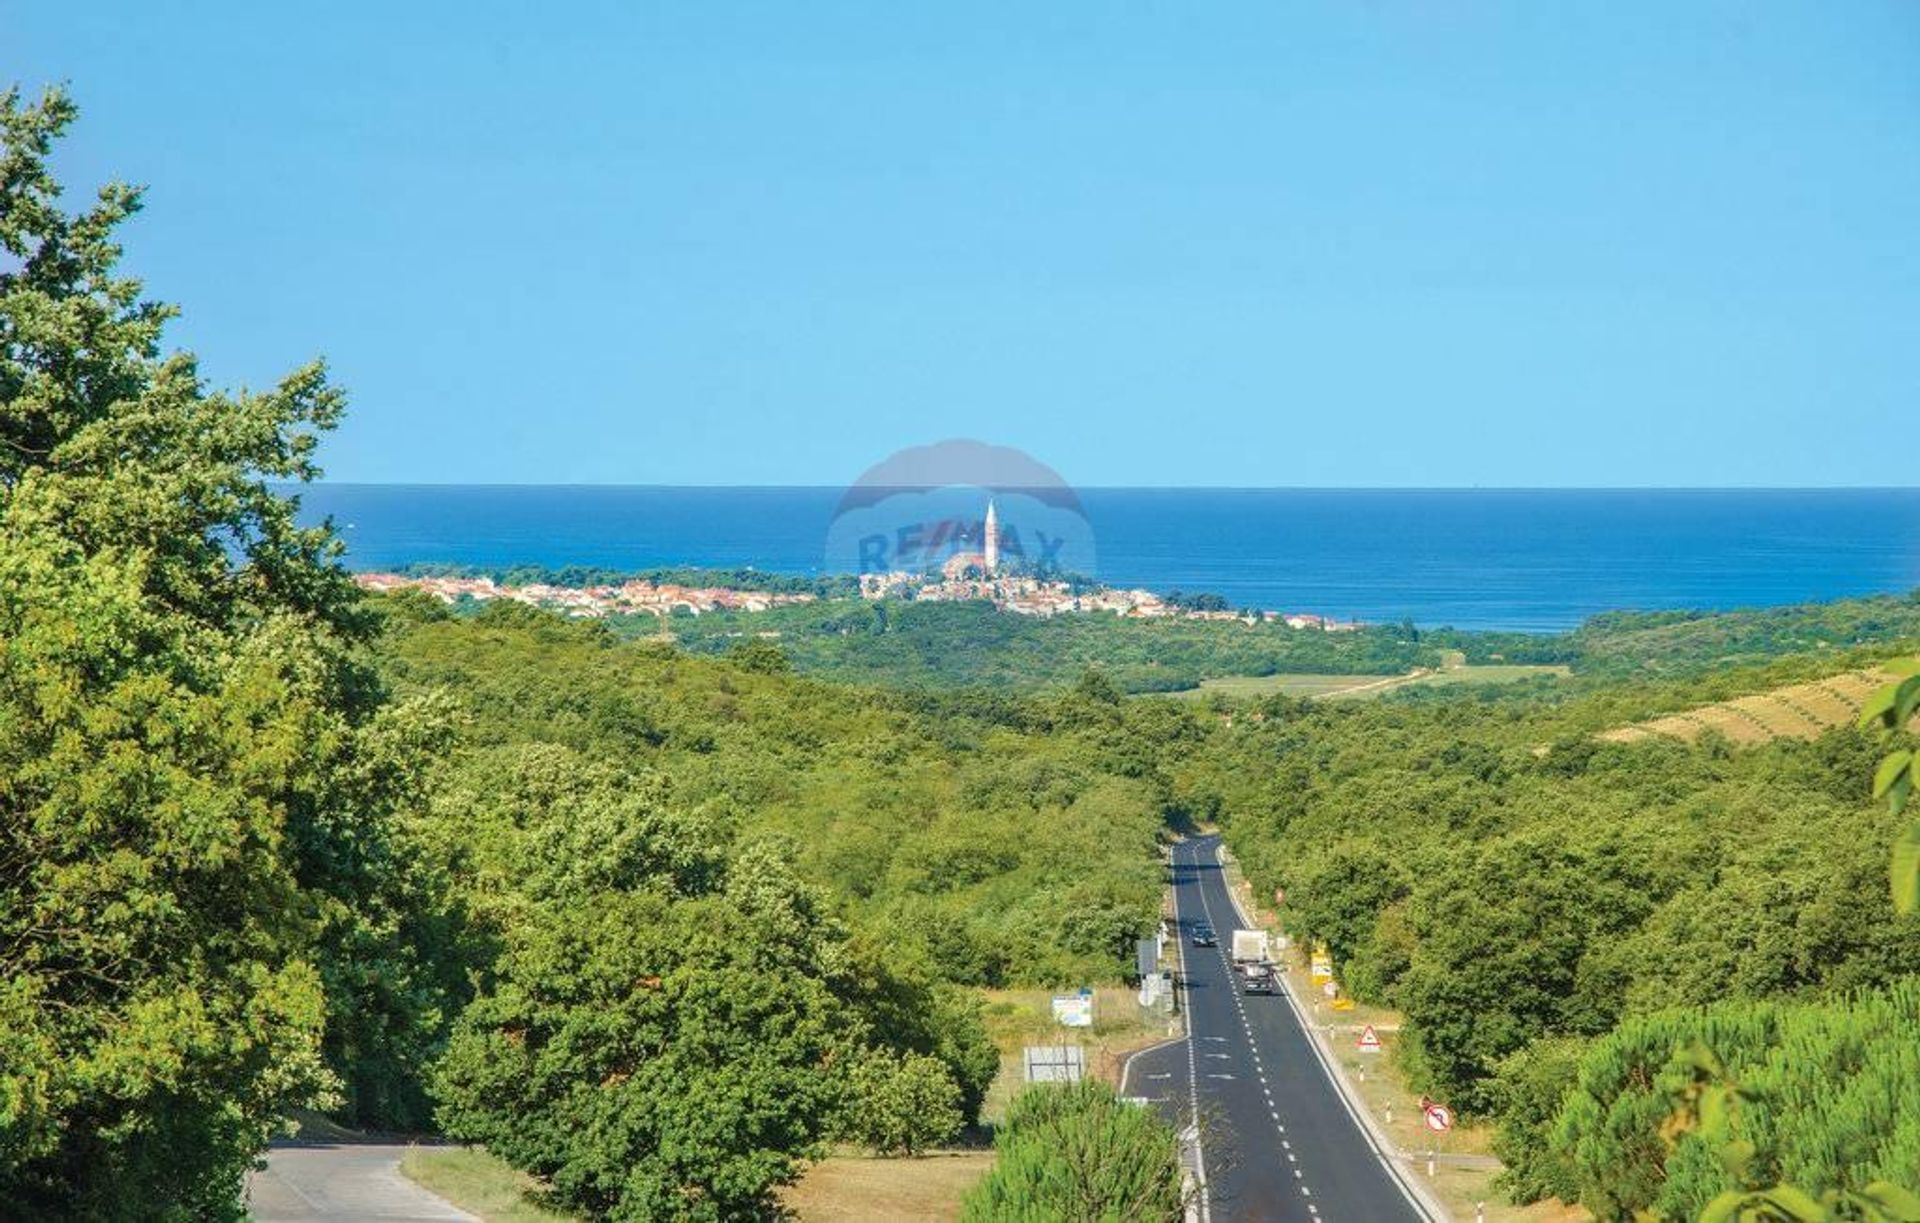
x=1369, y=1040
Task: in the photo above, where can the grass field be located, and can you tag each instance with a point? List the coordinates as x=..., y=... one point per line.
x=839, y=1188
x=1243, y=686
x=1361, y=687
x=478, y=1183
x=1797, y=711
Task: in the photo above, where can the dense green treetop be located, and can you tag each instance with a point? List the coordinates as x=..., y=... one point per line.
x=919, y=644
x=1004, y=841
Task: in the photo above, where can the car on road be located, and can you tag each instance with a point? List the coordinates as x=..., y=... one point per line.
x=1203, y=936
x=1258, y=978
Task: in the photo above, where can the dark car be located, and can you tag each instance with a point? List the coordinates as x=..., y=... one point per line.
x=1203, y=936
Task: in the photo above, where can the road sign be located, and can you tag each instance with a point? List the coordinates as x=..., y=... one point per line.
x=1146, y=957
x=1322, y=966
x=1369, y=1041
x=1439, y=1117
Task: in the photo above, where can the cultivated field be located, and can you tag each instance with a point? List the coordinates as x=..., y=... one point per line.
x=1798, y=711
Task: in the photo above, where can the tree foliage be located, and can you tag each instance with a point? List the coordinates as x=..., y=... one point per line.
x=945, y=645
x=207, y=912
x=657, y=1052
x=1898, y=776
x=900, y=1103
x=980, y=842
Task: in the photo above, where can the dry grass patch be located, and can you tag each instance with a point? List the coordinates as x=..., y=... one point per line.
x=850, y=1187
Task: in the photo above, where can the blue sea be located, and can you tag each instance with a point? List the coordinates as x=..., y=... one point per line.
x=1499, y=559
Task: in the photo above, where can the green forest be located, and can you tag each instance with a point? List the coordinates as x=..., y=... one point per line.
x=659, y=922
x=966, y=644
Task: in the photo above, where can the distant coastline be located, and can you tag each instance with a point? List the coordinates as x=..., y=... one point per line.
x=1541, y=561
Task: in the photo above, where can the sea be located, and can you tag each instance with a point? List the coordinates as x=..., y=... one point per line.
x=1509, y=559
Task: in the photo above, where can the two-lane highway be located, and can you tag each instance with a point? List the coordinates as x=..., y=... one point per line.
x=1277, y=1138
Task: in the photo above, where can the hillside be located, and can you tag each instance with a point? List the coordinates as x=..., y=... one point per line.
x=1004, y=843
x=1674, y=645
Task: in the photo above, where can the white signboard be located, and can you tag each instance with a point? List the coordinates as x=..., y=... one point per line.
x=1055, y=1063
x=1073, y=1010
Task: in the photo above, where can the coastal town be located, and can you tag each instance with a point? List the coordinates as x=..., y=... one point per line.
x=1026, y=596
x=964, y=576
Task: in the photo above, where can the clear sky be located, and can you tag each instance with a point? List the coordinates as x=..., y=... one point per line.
x=1239, y=243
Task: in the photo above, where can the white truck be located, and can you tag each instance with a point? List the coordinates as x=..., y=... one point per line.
x=1251, y=947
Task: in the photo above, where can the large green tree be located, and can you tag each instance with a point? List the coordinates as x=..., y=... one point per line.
x=197, y=778
x=661, y=1035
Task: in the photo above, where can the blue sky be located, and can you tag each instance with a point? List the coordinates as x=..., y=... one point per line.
x=1241, y=244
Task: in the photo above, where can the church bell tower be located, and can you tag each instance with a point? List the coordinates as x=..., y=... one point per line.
x=990, y=547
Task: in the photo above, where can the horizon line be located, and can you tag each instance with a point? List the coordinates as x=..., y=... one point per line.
x=1210, y=488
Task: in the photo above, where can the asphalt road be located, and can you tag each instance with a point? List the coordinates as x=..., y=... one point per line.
x=1276, y=1139
x=342, y=1183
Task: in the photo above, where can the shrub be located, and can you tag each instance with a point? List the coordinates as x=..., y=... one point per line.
x=1080, y=1152
x=1827, y=1101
